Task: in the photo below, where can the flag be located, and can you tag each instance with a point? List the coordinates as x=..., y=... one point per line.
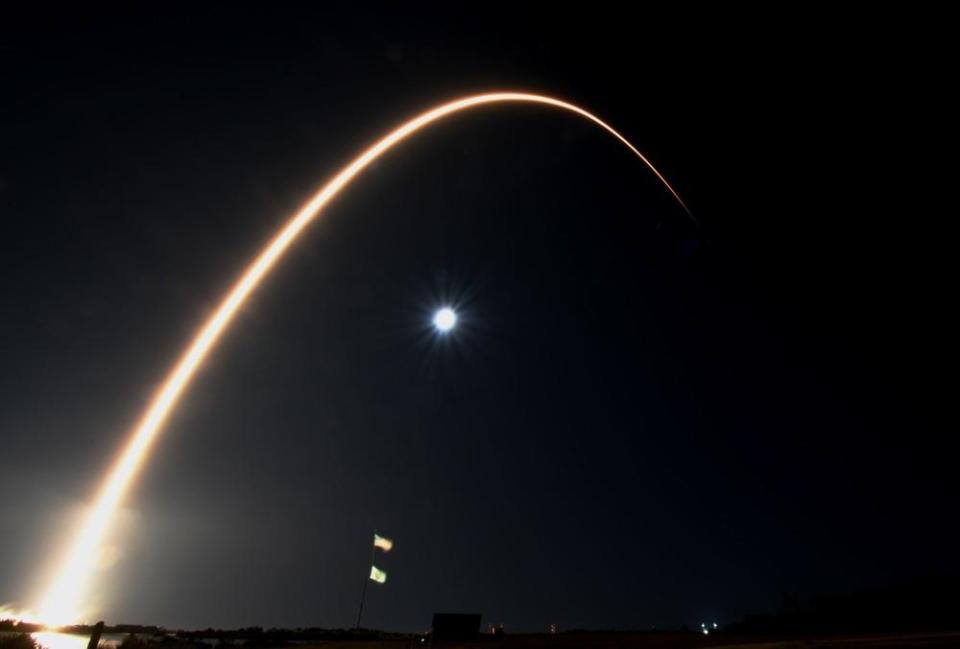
x=378, y=575
x=382, y=542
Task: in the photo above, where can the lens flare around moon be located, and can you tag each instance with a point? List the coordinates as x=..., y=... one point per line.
x=65, y=600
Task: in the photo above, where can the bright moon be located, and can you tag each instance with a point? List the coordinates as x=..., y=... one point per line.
x=445, y=319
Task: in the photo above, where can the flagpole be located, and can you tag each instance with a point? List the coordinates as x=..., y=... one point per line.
x=363, y=595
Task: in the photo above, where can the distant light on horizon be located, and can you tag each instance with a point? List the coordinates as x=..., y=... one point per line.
x=445, y=319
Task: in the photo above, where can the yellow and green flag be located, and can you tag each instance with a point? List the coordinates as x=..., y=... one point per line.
x=382, y=542
x=378, y=575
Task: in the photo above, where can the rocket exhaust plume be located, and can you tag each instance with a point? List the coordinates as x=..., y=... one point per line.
x=63, y=602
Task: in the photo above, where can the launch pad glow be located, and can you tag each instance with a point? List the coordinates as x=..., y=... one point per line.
x=64, y=599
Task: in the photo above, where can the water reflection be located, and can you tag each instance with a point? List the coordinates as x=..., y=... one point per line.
x=56, y=640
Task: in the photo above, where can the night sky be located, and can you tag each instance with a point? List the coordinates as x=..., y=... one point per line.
x=641, y=421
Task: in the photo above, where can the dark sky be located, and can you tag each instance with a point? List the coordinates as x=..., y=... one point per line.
x=640, y=422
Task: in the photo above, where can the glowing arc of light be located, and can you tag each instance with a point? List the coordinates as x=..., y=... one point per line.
x=60, y=604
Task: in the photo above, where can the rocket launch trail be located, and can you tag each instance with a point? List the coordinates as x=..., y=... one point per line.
x=64, y=599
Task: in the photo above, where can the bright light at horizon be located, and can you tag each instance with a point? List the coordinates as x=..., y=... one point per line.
x=445, y=319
